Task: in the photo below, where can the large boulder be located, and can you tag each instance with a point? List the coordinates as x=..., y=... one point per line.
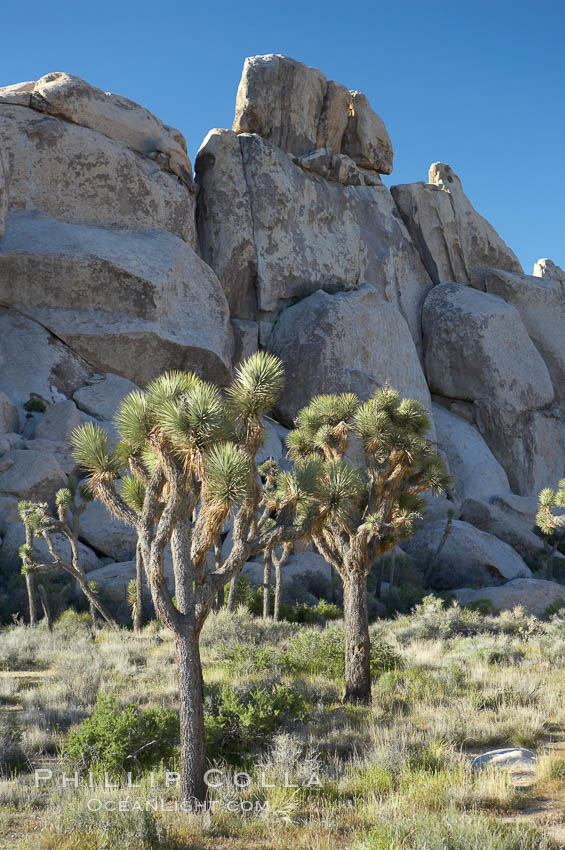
x=79, y=175
x=541, y=304
x=310, y=233
x=476, y=471
x=224, y=221
x=366, y=139
x=131, y=302
x=107, y=534
x=477, y=348
x=502, y=524
x=101, y=399
x=73, y=99
x=535, y=595
x=31, y=475
x=350, y=342
x=13, y=536
x=34, y=363
x=469, y=556
x=58, y=421
x=455, y=242
x=297, y=109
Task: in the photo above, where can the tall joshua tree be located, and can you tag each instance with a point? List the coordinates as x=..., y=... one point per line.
x=552, y=526
x=363, y=512
x=191, y=457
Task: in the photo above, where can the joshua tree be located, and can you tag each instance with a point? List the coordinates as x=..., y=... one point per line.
x=191, y=457
x=362, y=513
x=39, y=522
x=551, y=526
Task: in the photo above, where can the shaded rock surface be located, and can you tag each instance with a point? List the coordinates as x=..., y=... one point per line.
x=350, y=342
x=535, y=595
x=132, y=302
x=468, y=555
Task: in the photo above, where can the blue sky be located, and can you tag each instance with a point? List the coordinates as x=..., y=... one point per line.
x=479, y=85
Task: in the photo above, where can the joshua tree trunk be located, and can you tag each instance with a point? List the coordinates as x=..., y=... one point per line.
x=232, y=593
x=267, y=581
x=95, y=603
x=357, y=643
x=31, y=599
x=192, y=741
x=46, y=607
x=138, y=616
x=278, y=591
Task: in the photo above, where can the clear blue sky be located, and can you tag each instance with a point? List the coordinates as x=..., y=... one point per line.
x=477, y=84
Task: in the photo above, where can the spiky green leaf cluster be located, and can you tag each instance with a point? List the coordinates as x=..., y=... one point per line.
x=90, y=449
x=548, y=500
x=257, y=385
x=226, y=475
x=133, y=492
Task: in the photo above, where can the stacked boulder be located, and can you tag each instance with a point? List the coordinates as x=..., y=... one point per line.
x=116, y=265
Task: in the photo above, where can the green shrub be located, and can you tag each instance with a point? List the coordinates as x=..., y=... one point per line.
x=240, y=722
x=11, y=753
x=323, y=653
x=116, y=739
x=556, y=607
x=483, y=606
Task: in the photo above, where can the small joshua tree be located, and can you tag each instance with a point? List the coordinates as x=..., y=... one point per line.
x=362, y=513
x=40, y=522
x=191, y=453
x=552, y=526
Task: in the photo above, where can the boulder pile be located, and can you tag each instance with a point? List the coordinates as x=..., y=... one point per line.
x=116, y=264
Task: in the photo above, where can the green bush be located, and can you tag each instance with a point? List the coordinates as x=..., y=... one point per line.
x=324, y=653
x=117, y=740
x=556, y=607
x=240, y=722
x=484, y=607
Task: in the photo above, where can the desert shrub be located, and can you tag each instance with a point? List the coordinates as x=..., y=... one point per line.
x=116, y=739
x=226, y=629
x=72, y=624
x=11, y=753
x=482, y=606
x=556, y=607
x=240, y=722
x=323, y=653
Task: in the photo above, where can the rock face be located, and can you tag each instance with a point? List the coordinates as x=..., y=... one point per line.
x=502, y=524
x=107, y=535
x=30, y=475
x=547, y=268
x=134, y=302
x=224, y=221
x=9, y=418
x=79, y=175
x=351, y=341
x=34, y=363
x=535, y=595
x=468, y=555
x=541, y=304
x=477, y=472
x=58, y=421
x=5, y=171
x=298, y=110
x=102, y=398
x=454, y=241
x=477, y=349
x=307, y=233
x=515, y=758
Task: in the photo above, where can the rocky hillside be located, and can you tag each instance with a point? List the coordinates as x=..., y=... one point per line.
x=116, y=264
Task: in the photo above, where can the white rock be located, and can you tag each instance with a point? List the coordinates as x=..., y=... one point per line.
x=454, y=241
x=33, y=361
x=535, y=595
x=477, y=472
x=547, y=268
x=469, y=556
x=132, y=302
x=69, y=97
x=310, y=233
x=79, y=175
x=541, y=304
x=59, y=449
x=224, y=221
x=106, y=534
x=337, y=167
x=516, y=758
x=102, y=399
x=9, y=417
x=296, y=567
x=350, y=342
x=272, y=445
